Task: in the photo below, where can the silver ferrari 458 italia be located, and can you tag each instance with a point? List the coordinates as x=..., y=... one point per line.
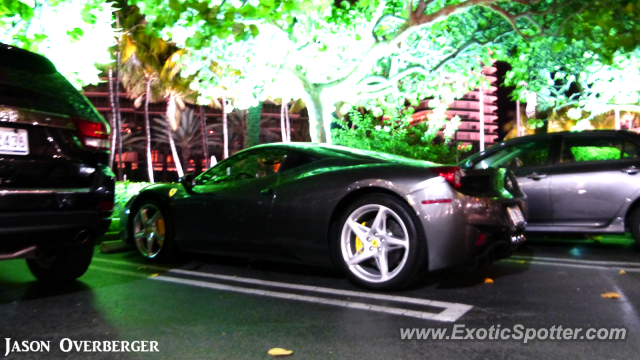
x=384, y=220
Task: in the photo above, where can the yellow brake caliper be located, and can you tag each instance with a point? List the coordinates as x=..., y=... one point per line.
x=160, y=227
x=359, y=244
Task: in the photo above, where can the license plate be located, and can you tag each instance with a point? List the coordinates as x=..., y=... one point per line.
x=14, y=141
x=516, y=215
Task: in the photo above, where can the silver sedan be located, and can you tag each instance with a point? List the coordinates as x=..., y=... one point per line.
x=585, y=182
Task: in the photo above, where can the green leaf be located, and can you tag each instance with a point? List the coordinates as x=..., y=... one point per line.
x=75, y=35
x=254, y=30
x=558, y=46
x=87, y=16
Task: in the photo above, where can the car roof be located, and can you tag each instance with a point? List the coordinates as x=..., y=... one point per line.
x=326, y=150
x=528, y=138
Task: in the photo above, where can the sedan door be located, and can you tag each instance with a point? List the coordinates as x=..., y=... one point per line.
x=595, y=175
x=529, y=161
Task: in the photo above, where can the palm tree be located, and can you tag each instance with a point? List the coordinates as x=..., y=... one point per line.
x=152, y=73
x=203, y=125
x=142, y=55
x=187, y=137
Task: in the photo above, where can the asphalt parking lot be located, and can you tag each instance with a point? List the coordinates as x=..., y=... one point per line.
x=226, y=308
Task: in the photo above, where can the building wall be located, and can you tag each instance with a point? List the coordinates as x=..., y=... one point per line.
x=468, y=109
x=133, y=120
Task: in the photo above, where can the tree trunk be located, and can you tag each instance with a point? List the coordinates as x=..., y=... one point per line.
x=164, y=167
x=253, y=126
x=185, y=153
x=172, y=144
x=225, y=130
x=117, y=96
x=317, y=115
x=203, y=130
x=147, y=129
x=119, y=119
x=114, y=120
x=288, y=122
x=283, y=127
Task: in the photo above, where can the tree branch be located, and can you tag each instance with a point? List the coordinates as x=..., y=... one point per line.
x=512, y=19
x=382, y=20
x=383, y=83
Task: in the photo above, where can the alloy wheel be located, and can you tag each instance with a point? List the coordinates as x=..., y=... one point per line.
x=374, y=243
x=149, y=230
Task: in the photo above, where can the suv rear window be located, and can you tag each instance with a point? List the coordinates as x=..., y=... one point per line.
x=36, y=85
x=15, y=58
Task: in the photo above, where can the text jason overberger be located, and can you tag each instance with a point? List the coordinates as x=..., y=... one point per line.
x=68, y=345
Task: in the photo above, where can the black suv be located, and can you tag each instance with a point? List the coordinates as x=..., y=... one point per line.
x=56, y=189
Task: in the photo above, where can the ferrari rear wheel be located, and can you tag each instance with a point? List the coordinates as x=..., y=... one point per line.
x=152, y=231
x=377, y=243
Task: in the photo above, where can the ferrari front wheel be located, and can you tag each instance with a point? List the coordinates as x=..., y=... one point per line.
x=152, y=231
x=377, y=243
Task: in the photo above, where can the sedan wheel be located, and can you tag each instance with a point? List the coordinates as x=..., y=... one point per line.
x=150, y=231
x=379, y=246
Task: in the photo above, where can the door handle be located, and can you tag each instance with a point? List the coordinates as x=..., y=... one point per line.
x=536, y=176
x=268, y=191
x=632, y=170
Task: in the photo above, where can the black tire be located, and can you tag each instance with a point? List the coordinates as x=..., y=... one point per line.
x=408, y=263
x=166, y=249
x=64, y=265
x=634, y=224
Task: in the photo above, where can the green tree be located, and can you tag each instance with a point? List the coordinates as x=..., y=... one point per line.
x=366, y=50
x=252, y=137
x=589, y=61
x=151, y=73
x=73, y=34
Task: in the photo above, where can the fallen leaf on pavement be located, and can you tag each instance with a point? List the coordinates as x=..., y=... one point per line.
x=488, y=281
x=154, y=275
x=622, y=272
x=611, y=295
x=279, y=352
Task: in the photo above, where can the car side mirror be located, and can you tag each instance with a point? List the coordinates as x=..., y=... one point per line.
x=188, y=181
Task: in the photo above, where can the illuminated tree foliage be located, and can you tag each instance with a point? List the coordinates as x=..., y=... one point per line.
x=367, y=50
x=73, y=34
x=373, y=54
x=589, y=61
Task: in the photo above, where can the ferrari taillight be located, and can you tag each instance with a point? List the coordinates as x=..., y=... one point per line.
x=450, y=173
x=93, y=135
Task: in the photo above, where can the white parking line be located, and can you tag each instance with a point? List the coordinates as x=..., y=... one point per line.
x=451, y=312
x=578, y=261
x=572, y=265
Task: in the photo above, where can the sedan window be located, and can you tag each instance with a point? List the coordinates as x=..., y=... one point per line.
x=587, y=149
x=516, y=156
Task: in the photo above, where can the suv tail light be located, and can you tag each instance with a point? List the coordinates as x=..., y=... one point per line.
x=450, y=173
x=94, y=136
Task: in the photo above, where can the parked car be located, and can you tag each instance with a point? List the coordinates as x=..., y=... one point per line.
x=56, y=190
x=584, y=182
x=380, y=218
